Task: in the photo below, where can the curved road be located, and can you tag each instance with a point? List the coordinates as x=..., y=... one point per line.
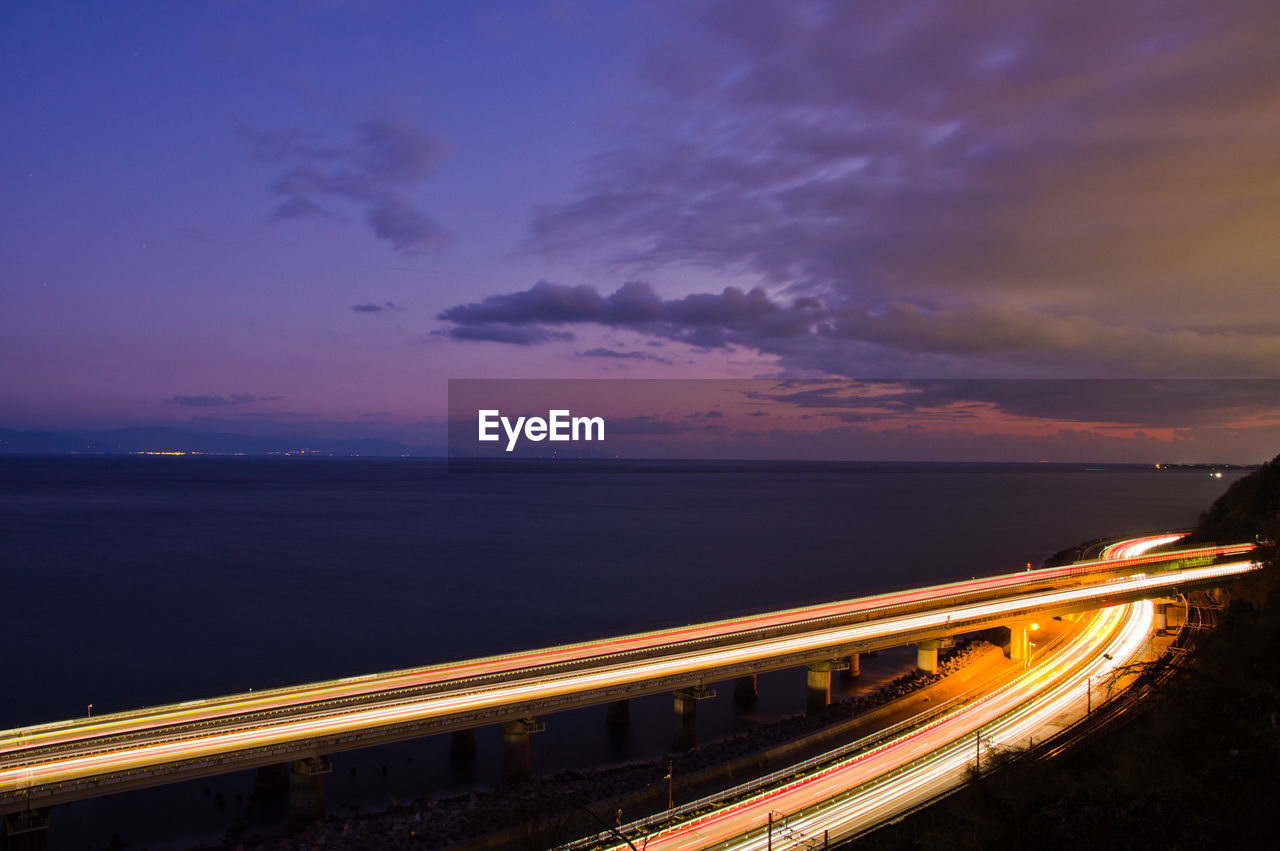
x=848, y=795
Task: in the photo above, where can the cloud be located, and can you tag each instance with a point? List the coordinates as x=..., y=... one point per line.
x=409, y=231
x=984, y=187
x=515, y=335
x=1082, y=344
x=210, y=401
x=856, y=341
x=1178, y=403
x=375, y=308
x=371, y=170
x=622, y=355
x=705, y=320
x=1148, y=403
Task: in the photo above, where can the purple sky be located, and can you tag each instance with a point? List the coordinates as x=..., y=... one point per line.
x=307, y=216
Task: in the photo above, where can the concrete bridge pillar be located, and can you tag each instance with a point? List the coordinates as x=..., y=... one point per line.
x=927, y=655
x=1162, y=617
x=306, y=789
x=618, y=716
x=685, y=735
x=515, y=748
x=27, y=830
x=855, y=668
x=746, y=689
x=818, y=675
x=462, y=744
x=1020, y=643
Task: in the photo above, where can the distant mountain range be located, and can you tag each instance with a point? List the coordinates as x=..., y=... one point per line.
x=124, y=441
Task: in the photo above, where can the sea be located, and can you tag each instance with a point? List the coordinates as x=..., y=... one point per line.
x=137, y=580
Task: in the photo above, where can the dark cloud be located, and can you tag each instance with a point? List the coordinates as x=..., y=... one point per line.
x=989, y=186
x=855, y=341
x=611, y=353
x=372, y=170
x=622, y=355
x=210, y=401
x=703, y=319
x=408, y=231
x=375, y=308
x=527, y=335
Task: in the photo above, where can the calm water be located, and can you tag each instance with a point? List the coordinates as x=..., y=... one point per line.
x=130, y=581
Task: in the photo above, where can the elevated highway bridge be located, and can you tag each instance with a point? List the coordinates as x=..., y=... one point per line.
x=54, y=763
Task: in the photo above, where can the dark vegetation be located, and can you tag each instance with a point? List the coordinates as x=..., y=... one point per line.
x=1198, y=767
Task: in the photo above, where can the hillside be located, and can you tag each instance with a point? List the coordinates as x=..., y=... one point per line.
x=1249, y=510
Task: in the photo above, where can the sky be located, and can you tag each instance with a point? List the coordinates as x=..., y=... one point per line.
x=309, y=216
